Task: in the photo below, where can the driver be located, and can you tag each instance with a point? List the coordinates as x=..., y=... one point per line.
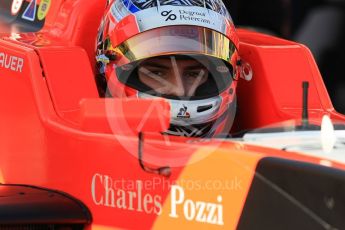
x=183, y=51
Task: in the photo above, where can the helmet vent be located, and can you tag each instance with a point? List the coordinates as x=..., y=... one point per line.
x=203, y=108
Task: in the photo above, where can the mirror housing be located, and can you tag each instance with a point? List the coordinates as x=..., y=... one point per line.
x=124, y=116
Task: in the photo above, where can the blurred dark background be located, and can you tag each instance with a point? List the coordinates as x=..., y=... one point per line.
x=318, y=24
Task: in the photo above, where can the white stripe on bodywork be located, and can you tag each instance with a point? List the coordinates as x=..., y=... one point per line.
x=304, y=142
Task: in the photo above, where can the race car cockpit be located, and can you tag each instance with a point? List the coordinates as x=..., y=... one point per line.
x=104, y=159
x=66, y=45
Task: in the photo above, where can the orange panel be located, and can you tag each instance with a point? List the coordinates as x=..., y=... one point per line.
x=220, y=180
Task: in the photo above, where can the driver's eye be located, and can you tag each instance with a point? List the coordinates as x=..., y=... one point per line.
x=193, y=74
x=157, y=73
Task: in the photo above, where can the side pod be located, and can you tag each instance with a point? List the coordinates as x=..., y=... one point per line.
x=28, y=207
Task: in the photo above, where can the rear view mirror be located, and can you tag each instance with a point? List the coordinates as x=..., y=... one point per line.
x=114, y=115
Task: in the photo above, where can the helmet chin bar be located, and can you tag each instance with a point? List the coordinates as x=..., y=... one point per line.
x=162, y=171
x=191, y=113
x=191, y=118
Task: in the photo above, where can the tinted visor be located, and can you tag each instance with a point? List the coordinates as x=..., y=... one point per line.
x=210, y=53
x=176, y=40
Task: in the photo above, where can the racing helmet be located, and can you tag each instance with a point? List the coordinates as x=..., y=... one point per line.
x=143, y=44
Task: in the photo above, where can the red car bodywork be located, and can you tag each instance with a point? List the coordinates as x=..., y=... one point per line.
x=55, y=135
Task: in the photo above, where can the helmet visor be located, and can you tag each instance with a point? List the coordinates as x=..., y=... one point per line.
x=184, y=62
x=176, y=40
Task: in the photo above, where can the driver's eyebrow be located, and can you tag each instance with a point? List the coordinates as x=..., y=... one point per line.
x=153, y=64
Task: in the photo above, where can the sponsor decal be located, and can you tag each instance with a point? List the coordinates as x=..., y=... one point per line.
x=16, y=6
x=30, y=12
x=43, y=9
x=189, y=15
x=11, y=62
x=183, y=112
x=186, y=15
x=169, y=15
x=199, y=211
x=109, y=192
x=176, y=15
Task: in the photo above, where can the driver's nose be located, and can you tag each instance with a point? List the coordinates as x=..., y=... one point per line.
x=176, y=90
x=176, y=87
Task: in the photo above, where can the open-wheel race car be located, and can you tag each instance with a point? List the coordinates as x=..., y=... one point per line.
x=70, y=159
